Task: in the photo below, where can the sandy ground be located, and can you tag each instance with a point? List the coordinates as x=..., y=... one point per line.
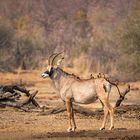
x=16, y=124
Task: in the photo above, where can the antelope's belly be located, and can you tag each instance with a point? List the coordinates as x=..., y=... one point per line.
x=85, y=98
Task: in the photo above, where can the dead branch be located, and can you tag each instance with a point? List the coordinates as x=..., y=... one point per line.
x=12, y=88
x=10, y=95
x=13, y=104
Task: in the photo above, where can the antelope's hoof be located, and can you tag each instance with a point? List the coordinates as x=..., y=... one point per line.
x=102, y=128
x=73, y=129
x=111, y=127
x=69, y=130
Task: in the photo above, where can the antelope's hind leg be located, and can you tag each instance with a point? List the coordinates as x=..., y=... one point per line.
x=70, y=115
x=111, y=112
x=73, y=119
x=105, y=118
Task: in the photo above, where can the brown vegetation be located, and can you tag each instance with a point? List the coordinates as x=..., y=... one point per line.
x=102, y=35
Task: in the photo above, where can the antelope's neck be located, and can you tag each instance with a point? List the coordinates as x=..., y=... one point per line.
x=58, y=78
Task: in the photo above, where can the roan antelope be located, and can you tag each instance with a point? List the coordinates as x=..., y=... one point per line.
x=83, y=91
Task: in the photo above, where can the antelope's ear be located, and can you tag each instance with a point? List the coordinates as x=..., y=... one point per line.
x=59, y=61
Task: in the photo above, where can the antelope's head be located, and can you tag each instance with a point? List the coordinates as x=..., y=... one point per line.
x=52, y=65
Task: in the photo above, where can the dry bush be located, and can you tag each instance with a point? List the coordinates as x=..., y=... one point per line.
x=100, y=35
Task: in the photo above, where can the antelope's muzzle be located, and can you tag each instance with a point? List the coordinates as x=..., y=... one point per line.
x=44, y=75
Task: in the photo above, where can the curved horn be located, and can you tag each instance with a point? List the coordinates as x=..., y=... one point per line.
x=59, y=61
x=49, y=60
x=52, y=63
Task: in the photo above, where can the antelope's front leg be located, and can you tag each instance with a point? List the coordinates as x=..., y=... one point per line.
x=69, y=112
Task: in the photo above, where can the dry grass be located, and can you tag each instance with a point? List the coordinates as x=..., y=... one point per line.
x=15, y=124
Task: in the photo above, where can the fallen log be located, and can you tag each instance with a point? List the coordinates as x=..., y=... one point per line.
x=13, y=104
x=10, y=95
x=30, y=99
x=13, y=90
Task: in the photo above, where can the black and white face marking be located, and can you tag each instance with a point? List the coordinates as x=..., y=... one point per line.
x=45, y=74
x=52, y=73
x=48, y=72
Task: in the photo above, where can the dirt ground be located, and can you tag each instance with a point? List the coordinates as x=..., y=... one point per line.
x=16, y=124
